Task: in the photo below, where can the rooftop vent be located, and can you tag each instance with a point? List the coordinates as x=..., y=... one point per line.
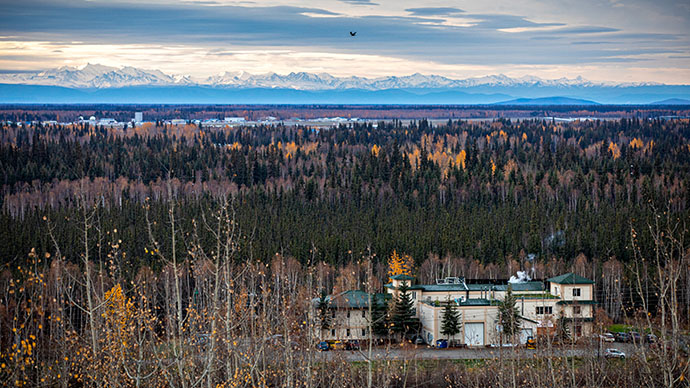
x=450, y=280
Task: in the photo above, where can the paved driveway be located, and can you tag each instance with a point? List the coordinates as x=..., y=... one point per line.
x=425, y=353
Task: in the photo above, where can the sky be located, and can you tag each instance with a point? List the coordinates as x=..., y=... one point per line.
x=600, y=40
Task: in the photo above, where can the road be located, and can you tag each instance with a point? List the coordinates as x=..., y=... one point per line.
x=426, y=353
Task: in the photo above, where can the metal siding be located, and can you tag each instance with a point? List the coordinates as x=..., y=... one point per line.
x=474, y=334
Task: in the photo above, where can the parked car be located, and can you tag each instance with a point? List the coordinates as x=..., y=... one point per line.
x=441, y=344
x=336, y=345
x=614, y=353
x=650, y=338
x=607, y=337
x=623, y=337
x=635, y=337
x=417, y=339
x=323, y=346
x=352, y=345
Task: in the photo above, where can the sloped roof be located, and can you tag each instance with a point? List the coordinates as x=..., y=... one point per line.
x=570, y=278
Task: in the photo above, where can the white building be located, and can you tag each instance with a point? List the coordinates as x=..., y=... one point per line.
x=138, y=117
x=540, y=307
x=234, y=120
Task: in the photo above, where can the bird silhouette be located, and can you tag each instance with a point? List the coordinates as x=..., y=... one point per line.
x=353, y=33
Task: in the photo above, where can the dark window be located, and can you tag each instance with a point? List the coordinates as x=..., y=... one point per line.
x=577, y=310
x=576, y=292
x=364, y=331
x=348, y=332
x=348, y=314
x=333, y=314
x=364, y=314
x=541, y=310
x=333, y=332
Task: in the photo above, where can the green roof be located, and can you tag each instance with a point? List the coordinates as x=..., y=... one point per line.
x=570, y=278
x=524, y=286
x=577, y=302
x=541, y=295
x=402, y=277
x=468, y=302
x=475, y=302
x=354, y=299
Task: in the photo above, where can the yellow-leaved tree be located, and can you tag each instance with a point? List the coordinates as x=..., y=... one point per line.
x=400, y=264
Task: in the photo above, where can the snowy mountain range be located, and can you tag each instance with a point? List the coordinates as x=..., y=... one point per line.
x=98, y=83
x=99, y=76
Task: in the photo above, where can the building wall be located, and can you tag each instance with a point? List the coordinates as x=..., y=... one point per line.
x=565, y=291
x=357, y=325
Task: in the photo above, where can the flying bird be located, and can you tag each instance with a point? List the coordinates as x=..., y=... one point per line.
x=353, y=33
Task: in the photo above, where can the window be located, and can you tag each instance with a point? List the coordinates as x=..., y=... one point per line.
x=576, y=292
x=364, y=313
x=348, y=332
x=577, y=310
x=332, y=332
x=348, y=313
x=555, y=290
x=364, y=332
x=541, y=310
x=414, y=295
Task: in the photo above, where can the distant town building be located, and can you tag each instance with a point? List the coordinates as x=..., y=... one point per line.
x=138, y=117
x=234, y=119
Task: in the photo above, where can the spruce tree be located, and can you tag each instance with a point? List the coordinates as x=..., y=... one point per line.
x=403, y=312
x=563, y=329
x=324, y=313
x=450, y=325
x=379, y=315
x=508, y=314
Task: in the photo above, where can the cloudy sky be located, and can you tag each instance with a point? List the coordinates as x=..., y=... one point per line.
x=602, y=40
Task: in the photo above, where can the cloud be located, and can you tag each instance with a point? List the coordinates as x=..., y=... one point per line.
x=447, y=36
x=434, y=11
x=359, y=2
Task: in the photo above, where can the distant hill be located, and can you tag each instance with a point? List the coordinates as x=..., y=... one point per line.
x=548, y=101
x=190, y=94
x=672, y=101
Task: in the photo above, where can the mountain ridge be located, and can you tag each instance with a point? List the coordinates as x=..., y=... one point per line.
x=101, y=76
x=99, y=83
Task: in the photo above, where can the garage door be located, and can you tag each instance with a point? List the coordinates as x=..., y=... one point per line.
x=524, y=333
x=474, y=334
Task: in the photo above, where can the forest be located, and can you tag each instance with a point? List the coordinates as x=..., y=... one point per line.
x=126, y=245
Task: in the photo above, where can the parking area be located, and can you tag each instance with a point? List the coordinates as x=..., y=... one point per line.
x=426, y=353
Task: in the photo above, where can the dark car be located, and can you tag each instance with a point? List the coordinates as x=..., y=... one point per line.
x=417, y=340
x=635, y=337
x=441, y=344
x=322, y=346
x=622, y=337
x=352, y=345
x=650, y=338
